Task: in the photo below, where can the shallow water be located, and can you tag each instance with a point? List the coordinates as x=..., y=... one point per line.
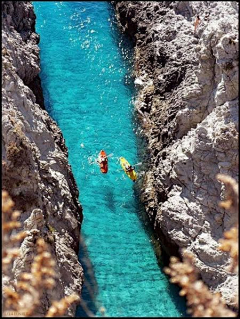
x=86, y=68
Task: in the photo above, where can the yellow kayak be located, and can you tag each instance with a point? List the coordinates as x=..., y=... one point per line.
x=124, y=163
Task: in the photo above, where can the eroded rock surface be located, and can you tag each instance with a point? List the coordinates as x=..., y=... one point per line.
x=186, y=72
x=35, y=169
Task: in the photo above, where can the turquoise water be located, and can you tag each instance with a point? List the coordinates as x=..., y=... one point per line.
x=86, y=67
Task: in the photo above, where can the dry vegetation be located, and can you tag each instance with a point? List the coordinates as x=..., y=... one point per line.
x=201, y=302
x=21, y=297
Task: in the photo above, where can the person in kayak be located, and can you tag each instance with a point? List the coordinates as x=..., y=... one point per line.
x=129, y=168
x=102, y=159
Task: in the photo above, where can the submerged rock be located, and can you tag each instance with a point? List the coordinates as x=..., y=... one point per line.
x=35, y=168
x=189, y=117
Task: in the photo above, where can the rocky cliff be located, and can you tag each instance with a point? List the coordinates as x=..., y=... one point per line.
x=35, y=169
x=186, y=72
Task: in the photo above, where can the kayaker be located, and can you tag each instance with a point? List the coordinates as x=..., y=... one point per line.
x=102, y=159
x=129, y=168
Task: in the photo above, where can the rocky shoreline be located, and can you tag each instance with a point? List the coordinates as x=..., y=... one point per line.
x=35, y=168
x=186, y=72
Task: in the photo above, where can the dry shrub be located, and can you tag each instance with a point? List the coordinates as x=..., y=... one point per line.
x=58, y=308
x=21, y=297
x=202, y=302
x=230, y=244
x=9, y=239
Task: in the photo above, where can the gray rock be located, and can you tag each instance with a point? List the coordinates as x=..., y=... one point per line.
x=193, y=108
x=36, y=172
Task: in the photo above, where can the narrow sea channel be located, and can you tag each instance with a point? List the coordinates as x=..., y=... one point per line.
x=88, y=91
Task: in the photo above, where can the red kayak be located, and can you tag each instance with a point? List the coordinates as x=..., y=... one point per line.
x=103, y=161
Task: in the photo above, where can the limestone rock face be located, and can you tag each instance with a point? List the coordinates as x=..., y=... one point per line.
x=19, y=16
x=35, y=168
x=186, y=75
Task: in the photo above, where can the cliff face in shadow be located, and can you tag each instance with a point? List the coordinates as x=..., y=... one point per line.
x=35, y=168
x=186, y=72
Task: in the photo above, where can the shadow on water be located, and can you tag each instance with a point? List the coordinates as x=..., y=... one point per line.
x=109, y=198
x=88, y=306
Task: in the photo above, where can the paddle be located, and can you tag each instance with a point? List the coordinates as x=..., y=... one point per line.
x=95, y=160
x=90, y=161
x=140, y=163
x=110, y=155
